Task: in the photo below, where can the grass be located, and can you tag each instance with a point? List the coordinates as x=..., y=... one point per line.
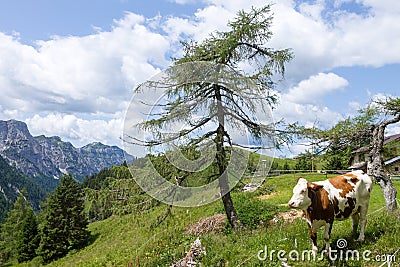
x=135, y=240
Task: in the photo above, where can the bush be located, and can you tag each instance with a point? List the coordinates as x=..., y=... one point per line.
x=252, y=211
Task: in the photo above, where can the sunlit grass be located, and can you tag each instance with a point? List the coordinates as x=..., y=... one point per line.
x=134, y=239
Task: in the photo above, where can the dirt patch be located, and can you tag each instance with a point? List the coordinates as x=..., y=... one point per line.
x=268, y=196
x=288, y=216
x=215, y=223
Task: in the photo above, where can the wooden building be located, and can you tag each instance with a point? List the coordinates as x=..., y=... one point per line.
x=391, y=155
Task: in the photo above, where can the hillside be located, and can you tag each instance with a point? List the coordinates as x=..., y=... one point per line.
x=50, y=157
x=140, y=239
x=11, y=183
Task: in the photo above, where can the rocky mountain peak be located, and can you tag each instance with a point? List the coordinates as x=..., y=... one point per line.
x=52, y=157
x=14, y=130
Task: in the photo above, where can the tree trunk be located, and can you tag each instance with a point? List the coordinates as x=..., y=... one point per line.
x=376, y=170
x=389, y=192
x=228, y=205
x=221, y=162
x=224, y=184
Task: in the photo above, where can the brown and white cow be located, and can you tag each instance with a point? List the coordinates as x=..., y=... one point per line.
x=335, y=198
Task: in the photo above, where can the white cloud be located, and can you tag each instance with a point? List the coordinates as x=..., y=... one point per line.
x=313, y=11
x=80, y=74
x=323, y=38
x=95, y=74
x=182, y=2
x=380, y=97
x=354, y=105
x=66, y=79
x=314, y=88
x=304, y=102
x=308, y=115
x=201, y=24
x=77, y=130
x=382, y=6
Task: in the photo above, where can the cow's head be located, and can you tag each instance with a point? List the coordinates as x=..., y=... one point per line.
x=303, y=194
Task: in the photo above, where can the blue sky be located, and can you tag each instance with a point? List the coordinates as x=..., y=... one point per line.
x=68, y=68
x=39, y=20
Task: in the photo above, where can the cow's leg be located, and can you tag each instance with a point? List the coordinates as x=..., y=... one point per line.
x=327, y=236
x=313, y=235
x=363, y=221
x=355, y=218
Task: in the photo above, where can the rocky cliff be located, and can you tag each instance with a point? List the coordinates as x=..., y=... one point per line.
x=50, y=156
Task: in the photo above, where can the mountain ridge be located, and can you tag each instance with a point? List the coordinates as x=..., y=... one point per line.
x=12, y=182
x=52, y=157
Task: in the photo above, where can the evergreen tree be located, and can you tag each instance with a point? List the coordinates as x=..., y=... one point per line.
x=27, y=238
x=65, y=226
x=286, y=166
x=19, y=232
x=225, y=106
x=304, y=161
x=334, y=162
x=367, y=128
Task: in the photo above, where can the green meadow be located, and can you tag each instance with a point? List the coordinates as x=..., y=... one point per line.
x=146, y=240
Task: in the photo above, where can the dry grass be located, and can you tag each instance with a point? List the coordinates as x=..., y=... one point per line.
x=215, y=223
x=288, y=216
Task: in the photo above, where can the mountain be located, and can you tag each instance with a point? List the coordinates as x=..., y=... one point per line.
x=12, y=182
x=44, y=157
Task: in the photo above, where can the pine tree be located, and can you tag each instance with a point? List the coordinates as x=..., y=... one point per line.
x=19, y=232
x=65, y=225
x=27, y=238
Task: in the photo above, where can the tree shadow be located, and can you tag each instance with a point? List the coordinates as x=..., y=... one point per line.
x=92, y=238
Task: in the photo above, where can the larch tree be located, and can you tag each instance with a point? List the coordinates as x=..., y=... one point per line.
x=365, y=129
x=375, y=164
x=223, y=106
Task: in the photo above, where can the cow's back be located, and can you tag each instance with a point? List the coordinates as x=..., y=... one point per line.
x=348, y=192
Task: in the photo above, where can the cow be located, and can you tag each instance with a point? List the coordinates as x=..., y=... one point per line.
x=337, y=198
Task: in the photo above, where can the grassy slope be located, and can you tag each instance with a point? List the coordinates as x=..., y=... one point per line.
x=119, y=241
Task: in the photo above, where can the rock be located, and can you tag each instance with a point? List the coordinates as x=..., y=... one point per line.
x=250, y=187
x=192, y=257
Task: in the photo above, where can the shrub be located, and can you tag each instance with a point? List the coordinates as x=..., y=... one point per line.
x=252, y=211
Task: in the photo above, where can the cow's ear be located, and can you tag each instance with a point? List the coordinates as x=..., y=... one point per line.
x=301, y=179
x=314, y=187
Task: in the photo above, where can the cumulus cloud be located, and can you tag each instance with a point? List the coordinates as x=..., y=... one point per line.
x=70, y=80
x=200, y=25
x=182, y=2
x=77, y=130
x=314, y=88
x=323, y=37
x=304, y=102
x=80, y=74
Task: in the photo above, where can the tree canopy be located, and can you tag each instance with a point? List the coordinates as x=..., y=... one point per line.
x=219, y=86
x=367, y=128
x=19, y=233
x=65, y=225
